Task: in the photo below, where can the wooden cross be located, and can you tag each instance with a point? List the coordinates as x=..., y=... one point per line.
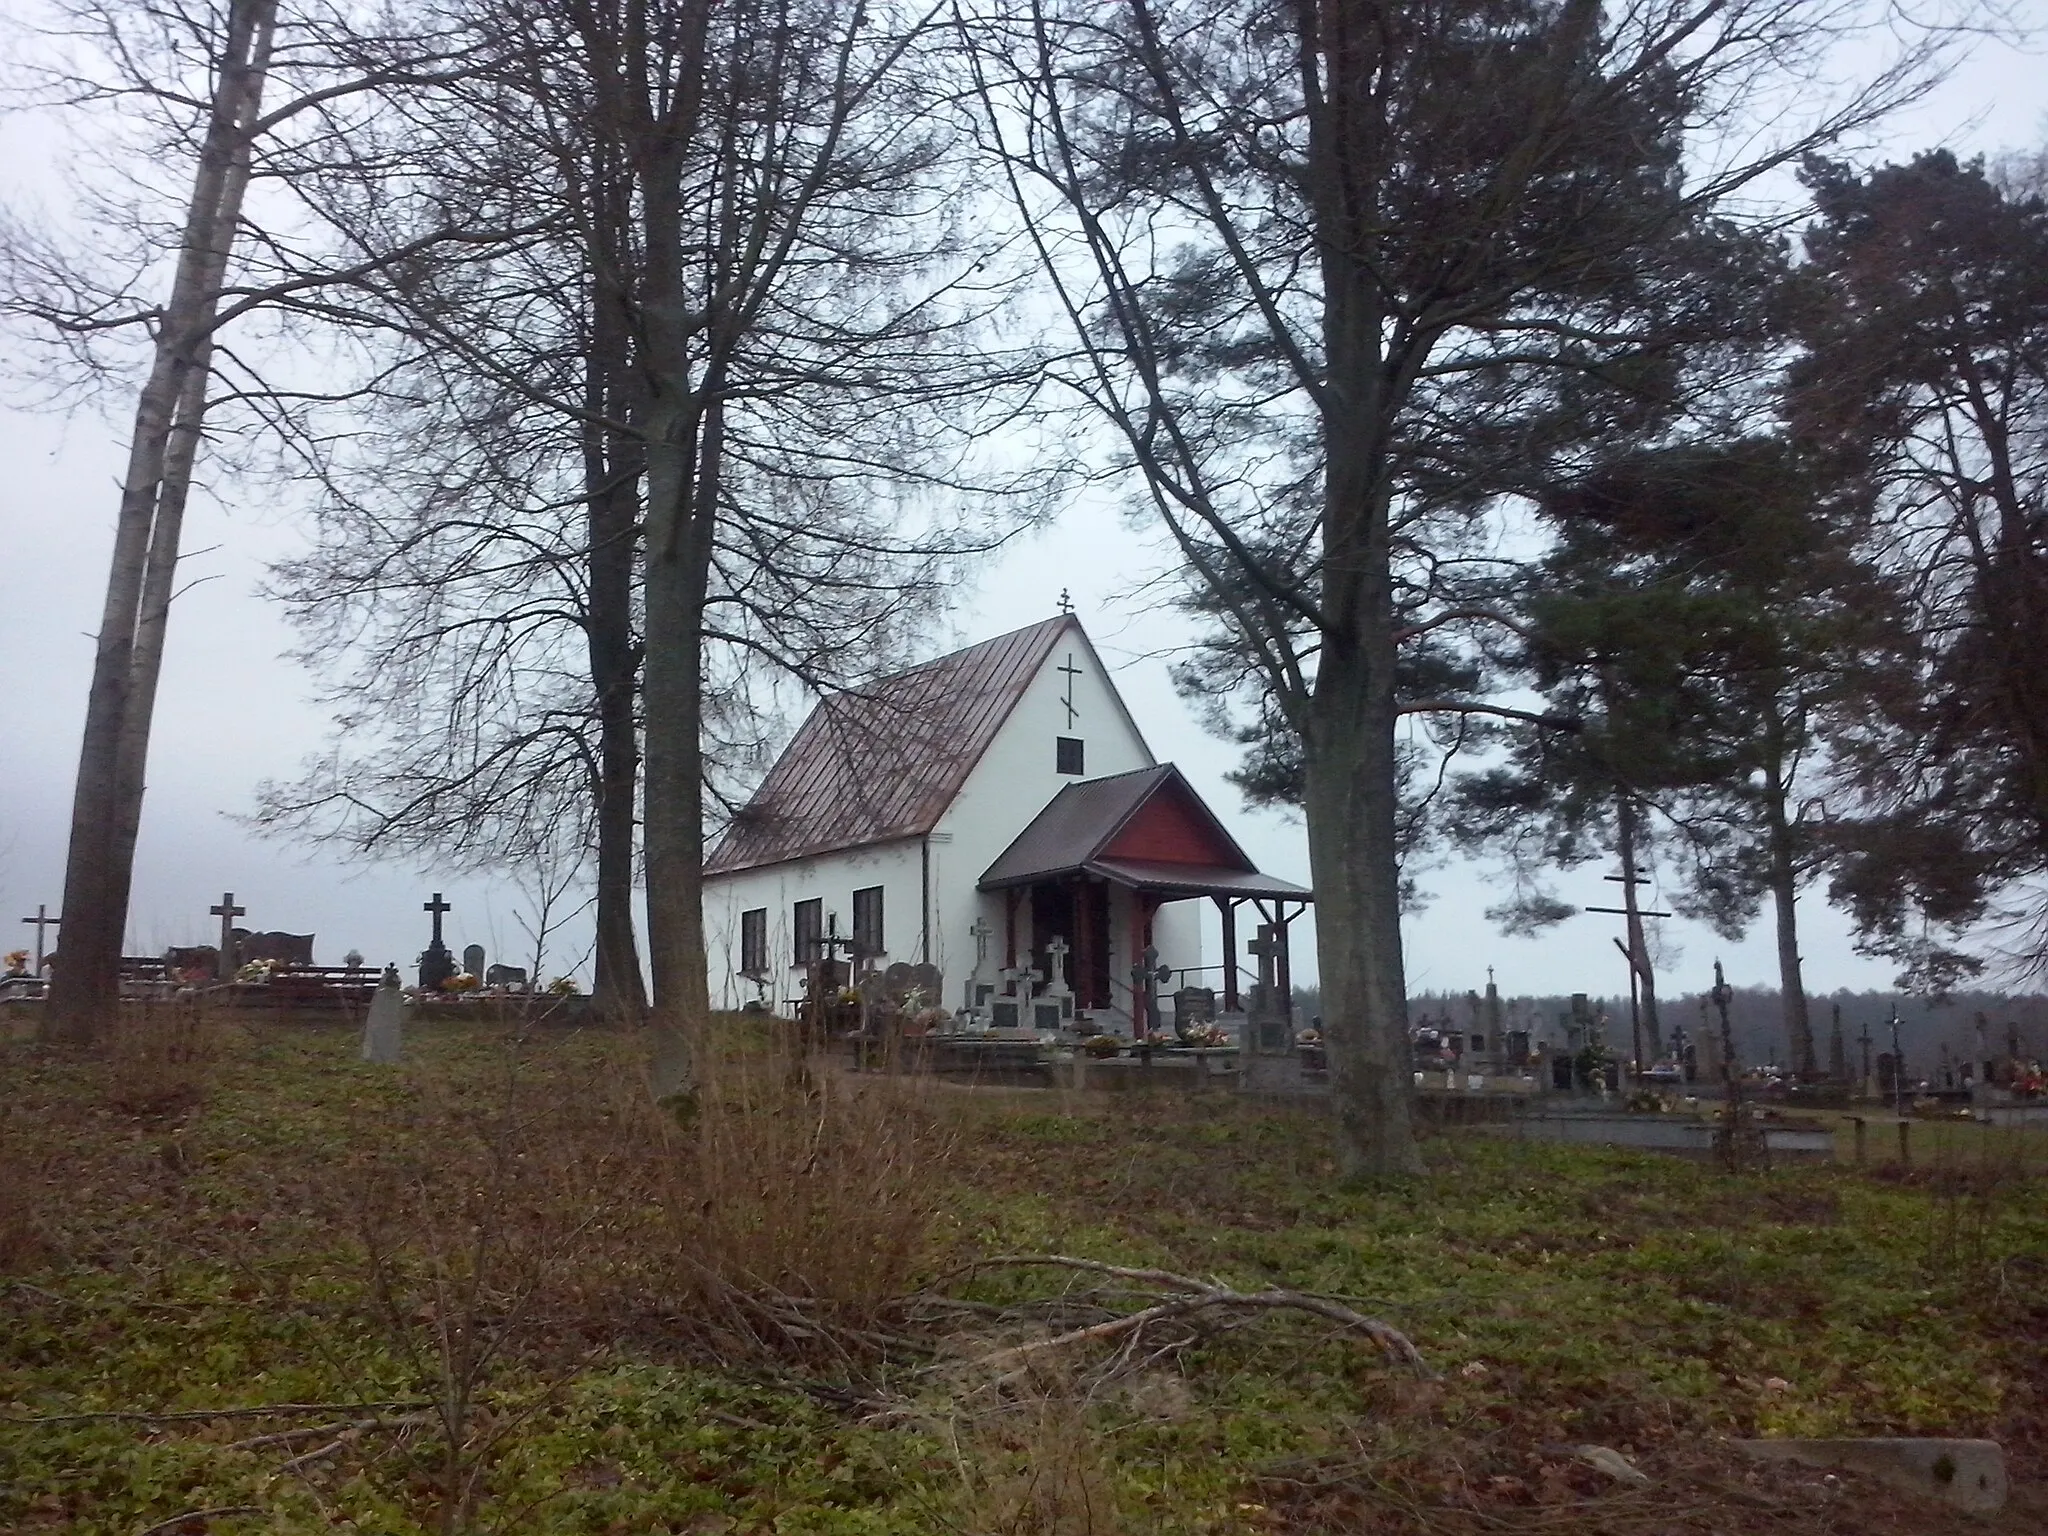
x=227, y=912
x=42, y=920
x=1072, y=672
x=437, y=906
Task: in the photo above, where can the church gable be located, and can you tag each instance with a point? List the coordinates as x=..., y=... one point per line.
x=1171, y=826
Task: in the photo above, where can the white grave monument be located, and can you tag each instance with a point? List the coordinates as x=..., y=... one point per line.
x=382, y=1032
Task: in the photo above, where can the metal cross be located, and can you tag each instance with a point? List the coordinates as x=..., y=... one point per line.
x=42, y=920
x=981, y=929
x=437, y=906
x=1072, y=672
x=1066, y=602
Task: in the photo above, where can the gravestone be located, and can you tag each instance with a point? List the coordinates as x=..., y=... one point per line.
x=513, y=976
x=1709, y=1055
x=981, y=982
x=1266, y=1013
x=382, y=1031
x=284, y=948
x=473, y=960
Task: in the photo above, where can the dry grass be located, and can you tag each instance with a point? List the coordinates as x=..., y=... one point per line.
x=809, y=1188
x=20, y=1242
x=1034, y=1466
x=159, y=1056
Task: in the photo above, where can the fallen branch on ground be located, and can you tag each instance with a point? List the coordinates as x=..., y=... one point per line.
x=220, y=1512
x=254, y=1411
x=314, y=1432
x=1192, y=1296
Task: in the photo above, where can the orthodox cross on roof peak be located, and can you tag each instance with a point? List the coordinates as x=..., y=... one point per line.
x=1066, y=602
x=1071, y=672
x=1489, y=975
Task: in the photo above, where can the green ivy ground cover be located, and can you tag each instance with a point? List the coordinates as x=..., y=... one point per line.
x=214, y=1257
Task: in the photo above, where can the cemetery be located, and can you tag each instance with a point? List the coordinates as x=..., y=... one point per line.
x=1491, y=987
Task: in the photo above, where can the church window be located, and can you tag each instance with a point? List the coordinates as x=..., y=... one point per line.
x=754, y=941
x=867, y=921
x=1067, y=751
x=809, y=925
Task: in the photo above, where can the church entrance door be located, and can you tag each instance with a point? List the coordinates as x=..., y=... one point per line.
x=1078, y=912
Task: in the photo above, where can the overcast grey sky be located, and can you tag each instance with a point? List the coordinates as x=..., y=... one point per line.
x=233, y=711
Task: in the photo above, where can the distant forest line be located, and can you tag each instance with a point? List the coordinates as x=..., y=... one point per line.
x=1756, y=1019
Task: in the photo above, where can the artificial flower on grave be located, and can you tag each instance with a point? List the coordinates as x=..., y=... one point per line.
x=1309, y=1037
x=562, y=986
x=259, y=971
x=1102, y=1045
x=462, y=981
x=1206, y=1036
x=17, y=962
x=1159, y=1037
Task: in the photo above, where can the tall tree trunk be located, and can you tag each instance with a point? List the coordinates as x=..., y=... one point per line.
x=1354, y=863
x=1784, y=875
x=678, y=563
x=611, y=466
x=1349, y=717
x=683, y=445
x=106, y=805
x=1626, y=829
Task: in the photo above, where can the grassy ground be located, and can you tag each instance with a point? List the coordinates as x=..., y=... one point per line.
x=511, y=1298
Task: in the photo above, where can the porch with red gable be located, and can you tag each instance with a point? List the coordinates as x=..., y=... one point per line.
x=1107, y=854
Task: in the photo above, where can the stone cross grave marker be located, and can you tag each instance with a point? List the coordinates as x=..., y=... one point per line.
x=227, y=912
x=436, y=964
x=1056, y=951
x=383, y=1031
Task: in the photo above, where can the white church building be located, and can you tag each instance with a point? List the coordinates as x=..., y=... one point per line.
x=994, y=814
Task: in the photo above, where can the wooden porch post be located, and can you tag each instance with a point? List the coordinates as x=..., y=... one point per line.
x=1010, y=928
x=1139, y=1023
x=1079, y=938
x=1228, y=908
x=1284, y=977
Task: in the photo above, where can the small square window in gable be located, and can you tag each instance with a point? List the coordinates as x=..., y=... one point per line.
x=1068, y=751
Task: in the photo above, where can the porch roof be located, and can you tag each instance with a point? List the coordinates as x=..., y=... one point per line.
x=1146, y=830
x=1179, y=880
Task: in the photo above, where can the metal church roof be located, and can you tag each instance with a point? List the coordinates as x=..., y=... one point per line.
x=885, y=761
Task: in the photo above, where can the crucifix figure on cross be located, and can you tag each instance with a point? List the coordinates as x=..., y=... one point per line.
x=227, y=912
